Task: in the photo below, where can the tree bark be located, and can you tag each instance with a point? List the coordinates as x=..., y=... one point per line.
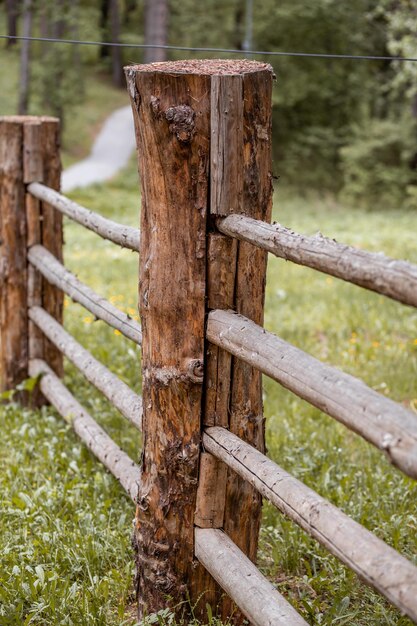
x=171, y=104
x=156, y=25
x=29, y=150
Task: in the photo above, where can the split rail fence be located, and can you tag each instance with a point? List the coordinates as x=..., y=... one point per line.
x=204, y=148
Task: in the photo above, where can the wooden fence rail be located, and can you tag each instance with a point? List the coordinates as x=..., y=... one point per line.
x=124, y=236
x=374, y=271
x=376, y=563
x=386, y=424
x=54, y=272
x=204, y=147
x=95, y=438
x=115, y=390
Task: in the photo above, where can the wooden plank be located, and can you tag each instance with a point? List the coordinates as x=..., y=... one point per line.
x=62, y=278
x=124, y=236
x=33, y=171
x=211, y=493
x=171, y=111
x=52, y=232
x=393, y=278
x=386, y=424
x=13, y=271
x=115, y=390
x=126, y=471
x=375, y=563
x=226, y=166
x=246, y=409
x=252, y=592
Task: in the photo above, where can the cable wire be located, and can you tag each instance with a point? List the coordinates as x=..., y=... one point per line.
x=275, y=53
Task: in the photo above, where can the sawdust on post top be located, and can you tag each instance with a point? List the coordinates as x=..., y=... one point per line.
x=204, y=67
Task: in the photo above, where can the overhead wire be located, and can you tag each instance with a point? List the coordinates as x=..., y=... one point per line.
x=274, y=53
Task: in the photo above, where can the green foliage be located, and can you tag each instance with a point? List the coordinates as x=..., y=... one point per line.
x=376, y=164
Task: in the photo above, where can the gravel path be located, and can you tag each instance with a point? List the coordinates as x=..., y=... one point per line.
x=110, y=153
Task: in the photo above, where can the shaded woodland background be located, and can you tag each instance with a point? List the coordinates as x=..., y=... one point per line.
x=342, y=126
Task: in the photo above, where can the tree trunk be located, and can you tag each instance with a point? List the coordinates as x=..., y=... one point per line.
x=116, y=56
x=156, y=24
x=25, y=60
x=12, y=8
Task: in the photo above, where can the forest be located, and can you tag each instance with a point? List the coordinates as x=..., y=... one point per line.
x=340, y=125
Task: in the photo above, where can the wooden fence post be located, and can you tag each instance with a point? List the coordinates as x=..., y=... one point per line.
x=203, y=135
x=29, y=151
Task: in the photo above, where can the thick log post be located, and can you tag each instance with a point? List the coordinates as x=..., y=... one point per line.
x=29, y=151
x=203, y=136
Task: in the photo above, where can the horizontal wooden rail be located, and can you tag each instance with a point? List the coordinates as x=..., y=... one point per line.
x=375, y=562
x=384, y=423
x=124, y=236
x=115, y=390
x=374, y=271
x=262, y=604
x=96, y=439
x=58, y=275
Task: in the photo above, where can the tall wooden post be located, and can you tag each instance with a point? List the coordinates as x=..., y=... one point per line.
x=204, y=140
x=29, y=151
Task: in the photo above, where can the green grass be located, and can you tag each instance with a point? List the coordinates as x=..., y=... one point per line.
x=66, y=524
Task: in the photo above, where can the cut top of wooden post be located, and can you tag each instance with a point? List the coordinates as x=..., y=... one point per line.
x=204, y=67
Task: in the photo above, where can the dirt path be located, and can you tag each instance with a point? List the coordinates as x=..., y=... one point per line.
x=110, y=152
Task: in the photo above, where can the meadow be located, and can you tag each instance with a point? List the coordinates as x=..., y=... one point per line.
x=65, y=523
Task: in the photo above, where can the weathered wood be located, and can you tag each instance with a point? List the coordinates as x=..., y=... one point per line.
x=211, y=494
x=124, y=236
x=33, y=170
x=171, y=106
x=262, y=604
x=52, y=231
x=62, y=278
x=246, y=410
x=226, y=172
x=386, y=424
x=376, y=563
x=126, y=471
x=13, y=272
x=393, y=278
x=171, y=111
x=115, y=390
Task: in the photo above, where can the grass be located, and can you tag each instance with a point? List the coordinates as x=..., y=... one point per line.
x=66, y=524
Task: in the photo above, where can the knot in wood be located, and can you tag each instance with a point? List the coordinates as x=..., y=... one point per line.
x=182, y=123
x=195, y=370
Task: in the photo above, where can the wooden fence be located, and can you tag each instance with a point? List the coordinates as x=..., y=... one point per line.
x=204, y=140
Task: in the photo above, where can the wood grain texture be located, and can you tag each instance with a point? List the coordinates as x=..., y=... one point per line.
x=375, y=563
x=13, y=271
x=226, y=173
x=172, y=113
x=253, y=593
x=243, y=502
x=118, y=463
x=386, y=424
x=52, y=232
x=391, y=277
x=33, y=170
